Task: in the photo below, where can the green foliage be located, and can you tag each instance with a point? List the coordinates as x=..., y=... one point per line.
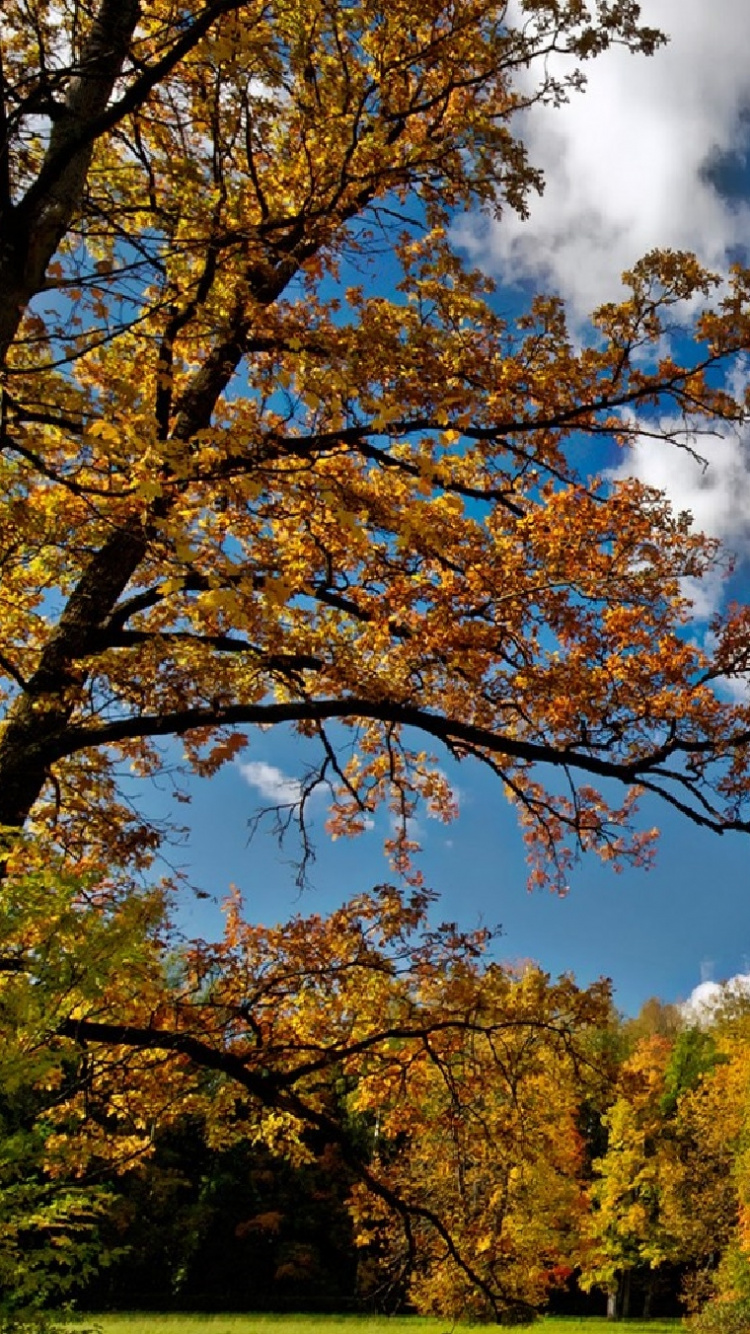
x=48, y=1244
x=694, y=1053
x=51, y=1213
x=722, y=1317
x=49, y=1230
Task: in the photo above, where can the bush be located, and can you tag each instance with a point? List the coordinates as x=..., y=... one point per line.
x=722, y=1317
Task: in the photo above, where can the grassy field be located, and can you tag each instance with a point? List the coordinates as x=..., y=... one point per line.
x=331, y=1324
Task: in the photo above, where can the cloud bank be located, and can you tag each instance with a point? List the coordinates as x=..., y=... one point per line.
x=650, y=155
x=654, y=154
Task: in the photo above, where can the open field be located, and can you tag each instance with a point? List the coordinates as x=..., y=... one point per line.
x=145, y=1323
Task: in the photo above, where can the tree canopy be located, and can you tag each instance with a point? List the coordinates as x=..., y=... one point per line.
x=243, y=488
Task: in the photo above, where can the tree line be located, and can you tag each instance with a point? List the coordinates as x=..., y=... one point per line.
x=438, y=1132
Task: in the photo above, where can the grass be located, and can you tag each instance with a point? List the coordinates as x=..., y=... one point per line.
x=145, y=1323
x=556, y=1324
x=266, y=1324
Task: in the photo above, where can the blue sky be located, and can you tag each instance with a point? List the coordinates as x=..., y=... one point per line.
x=654, y=154
x=659, y=932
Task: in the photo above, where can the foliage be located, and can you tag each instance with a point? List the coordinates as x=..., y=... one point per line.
x=51, y=1212
x=693, y=1055
x=483, y=1133
x=50, y=1238
x=716, y=1110
x=241, y=490
x=276, y=1034
x=230, y=1229
x=722, y=1317
x=662, y=1193
x=49, y=1246
x=626, y=1223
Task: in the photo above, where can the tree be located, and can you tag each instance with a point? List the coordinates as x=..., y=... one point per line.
x=231, y=1229
x=308, y=504
x=662, y=1193
x=239, y=490
x=714, y=1113
x=51, y=1237
x=305, y=1029
x=626, y=1224
x=485, y=1132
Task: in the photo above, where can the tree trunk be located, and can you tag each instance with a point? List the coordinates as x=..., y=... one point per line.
x=648, y=1295
x=612, y=1304
x=624, y=1295
x=32, y=228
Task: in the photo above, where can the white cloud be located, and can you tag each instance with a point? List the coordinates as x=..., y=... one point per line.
x=714, y=485
x=709, y=478
x=709, y=998
x=280, y=789
x=274, y=786
x=626, y=162
x=641, y=160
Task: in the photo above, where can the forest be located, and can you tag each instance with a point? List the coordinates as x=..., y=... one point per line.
x=272, y=456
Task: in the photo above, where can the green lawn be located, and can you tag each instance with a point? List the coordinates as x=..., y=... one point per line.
x=312, y=1324
x=266, y=1324
x=598, y=1325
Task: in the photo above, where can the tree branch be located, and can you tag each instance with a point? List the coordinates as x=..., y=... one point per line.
x=450, y=731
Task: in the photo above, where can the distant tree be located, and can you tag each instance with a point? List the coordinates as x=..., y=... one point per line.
x=717, y=1194
x=656, y=1018
x=234, y=1229
x=661, y=1194
x=626, y=1226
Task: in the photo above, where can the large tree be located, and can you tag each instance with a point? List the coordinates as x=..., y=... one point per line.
x=241, y=486
x=241, y=490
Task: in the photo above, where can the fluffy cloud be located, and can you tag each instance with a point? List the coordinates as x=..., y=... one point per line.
x=276, y=787
x=713, y=485
x=708, y=998
x=638, y=161
x=710, y=478
x=653, y=154
x=716, y=490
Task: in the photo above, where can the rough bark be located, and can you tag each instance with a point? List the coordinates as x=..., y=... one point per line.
x=31, y=230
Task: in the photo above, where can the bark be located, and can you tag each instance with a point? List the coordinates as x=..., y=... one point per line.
x=31, y=230
x=38, y=729
x=38, y=719
x=625, y=1286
